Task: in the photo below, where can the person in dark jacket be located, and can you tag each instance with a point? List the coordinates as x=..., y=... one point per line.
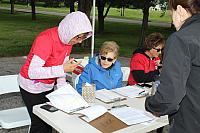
x=145, y=61
x=179, y=91
x=103, y=70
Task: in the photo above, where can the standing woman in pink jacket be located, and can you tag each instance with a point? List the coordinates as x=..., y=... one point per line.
x=48, y=61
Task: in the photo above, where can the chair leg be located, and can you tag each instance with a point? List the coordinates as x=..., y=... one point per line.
x=29, y=127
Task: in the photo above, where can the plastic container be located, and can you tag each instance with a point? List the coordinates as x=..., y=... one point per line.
x=88, y=92
x=154, y=87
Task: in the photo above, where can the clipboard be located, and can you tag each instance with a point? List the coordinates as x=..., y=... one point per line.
x=111, y=101
x=107, y=123
x=108, y=96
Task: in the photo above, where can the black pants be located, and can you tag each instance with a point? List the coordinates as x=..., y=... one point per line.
x=171, y=120
x=159, y=130
x=37, y=125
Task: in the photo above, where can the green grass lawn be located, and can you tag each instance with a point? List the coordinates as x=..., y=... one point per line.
x=18, y=32
x=113, y=12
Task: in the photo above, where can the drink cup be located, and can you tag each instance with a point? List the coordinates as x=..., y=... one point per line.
x=88, y=92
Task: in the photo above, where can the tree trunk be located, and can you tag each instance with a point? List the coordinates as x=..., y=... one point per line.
x=122, y=7
x=33, y=9
x=71, y=5
x=66, y=3
x=100, y=7
x=12, y=2
x=85, y=6
x=108, y=8
x=144, y=25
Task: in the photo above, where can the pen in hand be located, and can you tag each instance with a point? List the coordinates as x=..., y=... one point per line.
x=141, y=92
x=76, y=62
x=70, y=65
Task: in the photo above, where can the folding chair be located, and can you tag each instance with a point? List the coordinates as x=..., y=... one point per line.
x=15, y=117
x=126, y=72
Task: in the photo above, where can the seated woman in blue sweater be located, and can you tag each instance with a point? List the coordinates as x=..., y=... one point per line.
x=103, y=70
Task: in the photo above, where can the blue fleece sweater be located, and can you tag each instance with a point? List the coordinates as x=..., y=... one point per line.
x=102, y=78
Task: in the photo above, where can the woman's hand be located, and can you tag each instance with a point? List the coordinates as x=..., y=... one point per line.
x=158, y=63
x=70, y=65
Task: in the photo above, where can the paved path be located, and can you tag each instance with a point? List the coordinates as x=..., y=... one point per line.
x=109, y=19
x=12, y=65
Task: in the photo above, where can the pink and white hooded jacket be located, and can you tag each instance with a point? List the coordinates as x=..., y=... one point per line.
x=51, y=48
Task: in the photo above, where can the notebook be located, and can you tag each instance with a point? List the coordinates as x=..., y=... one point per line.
x=108, y=96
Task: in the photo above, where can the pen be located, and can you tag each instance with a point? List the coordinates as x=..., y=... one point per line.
x=77, y=109
x=119, y=106
x=141, y=92
x=76, y=62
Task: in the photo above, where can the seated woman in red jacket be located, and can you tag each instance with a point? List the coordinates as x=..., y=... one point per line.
x=146, y=61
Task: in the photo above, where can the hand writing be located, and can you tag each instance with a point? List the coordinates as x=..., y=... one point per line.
x=70, y=65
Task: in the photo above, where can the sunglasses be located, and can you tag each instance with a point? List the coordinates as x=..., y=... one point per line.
x=158, y=50
x=104, y=58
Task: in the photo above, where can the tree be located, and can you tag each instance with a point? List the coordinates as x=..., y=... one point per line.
x=70, y=4
x=101, y=16
x=100, y=8
x=12, y=2
x=145, y=5
x=85, y=6
x=33, y=9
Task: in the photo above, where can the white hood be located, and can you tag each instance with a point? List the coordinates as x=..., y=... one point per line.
x=72, y=25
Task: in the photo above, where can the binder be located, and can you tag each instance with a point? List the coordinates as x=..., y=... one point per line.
x=108, y=96
x=107, y=123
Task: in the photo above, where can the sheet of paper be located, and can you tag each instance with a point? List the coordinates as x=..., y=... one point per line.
x=131, y=91
x=67, y=99
x=131, y=116
x=108, y=95
x=92, y=112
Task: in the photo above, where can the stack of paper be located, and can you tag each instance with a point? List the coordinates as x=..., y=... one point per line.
x=131, y=116
x=68, y=100
x=131, y=91
x=108, y=96
x=92, y=112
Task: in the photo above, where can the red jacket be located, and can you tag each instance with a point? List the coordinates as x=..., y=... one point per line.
x=142, y=69
x=48, y=47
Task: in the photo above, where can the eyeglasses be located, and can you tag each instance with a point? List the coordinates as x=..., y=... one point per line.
x=83, y=36
x=158, y=50
x=104, y=58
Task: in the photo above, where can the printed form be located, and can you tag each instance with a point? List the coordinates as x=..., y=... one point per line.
x=131, y=116
x=131, y=91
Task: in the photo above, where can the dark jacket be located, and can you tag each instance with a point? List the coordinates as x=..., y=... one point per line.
x=179, y=91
